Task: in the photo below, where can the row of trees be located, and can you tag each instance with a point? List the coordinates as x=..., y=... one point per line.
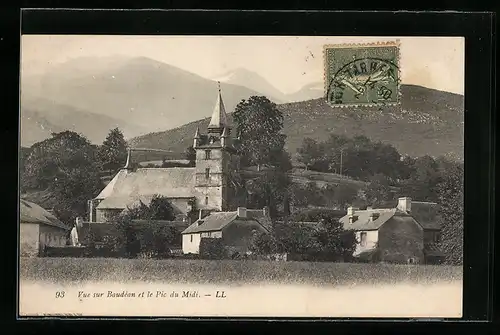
x=69, y=168
x=325, y=241
x=357, y=157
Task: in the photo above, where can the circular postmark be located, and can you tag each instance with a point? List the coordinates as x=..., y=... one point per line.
x=364, y=81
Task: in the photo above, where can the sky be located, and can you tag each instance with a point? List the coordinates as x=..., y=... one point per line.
x=287, y=62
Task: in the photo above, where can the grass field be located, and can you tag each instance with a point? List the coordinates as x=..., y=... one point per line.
x=78, y=270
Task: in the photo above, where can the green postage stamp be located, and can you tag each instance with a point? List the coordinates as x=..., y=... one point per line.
x=362, y=74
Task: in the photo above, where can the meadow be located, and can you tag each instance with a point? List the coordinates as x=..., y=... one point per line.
x=233, y=272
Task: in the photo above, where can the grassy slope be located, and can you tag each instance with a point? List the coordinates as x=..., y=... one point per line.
x=428, y=122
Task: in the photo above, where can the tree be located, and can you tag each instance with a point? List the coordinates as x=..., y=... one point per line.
x=64, y=165
x=212, y=248
x=423, y=180
x=190, y=155
x=378, y=191
x=160, y=208
x=264, y=244
x=312, y=154
x=153, y=237
x=450, y=194
x=112, y=153
x=258, y=126
x=334, y=240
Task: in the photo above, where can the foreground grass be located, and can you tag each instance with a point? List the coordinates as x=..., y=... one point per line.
x=79, y=270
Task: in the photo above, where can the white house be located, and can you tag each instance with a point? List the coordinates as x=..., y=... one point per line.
x=235, y=228
x=39, y=228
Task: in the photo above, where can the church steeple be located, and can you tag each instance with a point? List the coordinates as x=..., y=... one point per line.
x=219, y=118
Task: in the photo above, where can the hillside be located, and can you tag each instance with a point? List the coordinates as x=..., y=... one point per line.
x=41, y=117
x=140, y=91
x=427, y=122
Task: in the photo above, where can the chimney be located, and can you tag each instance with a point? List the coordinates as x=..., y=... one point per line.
x=242, y=212
x=265, y=211
x=369, y=208
x=200, y=215
x=351, y=210
x=404, y=204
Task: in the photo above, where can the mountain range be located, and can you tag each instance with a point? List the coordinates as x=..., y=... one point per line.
x=141, y=94
x=159, y=106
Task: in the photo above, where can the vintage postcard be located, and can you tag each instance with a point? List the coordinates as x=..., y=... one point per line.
x=241, y=176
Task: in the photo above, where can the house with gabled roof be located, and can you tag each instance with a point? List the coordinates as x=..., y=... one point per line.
x=236, y=229
x=408, y=233
x=205, y=186
x=39, y=229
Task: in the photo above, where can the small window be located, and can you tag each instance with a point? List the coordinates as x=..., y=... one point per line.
x=206, y=200
x=191, y=237
x=207, y=154
x=363, y=239
x=207, y=173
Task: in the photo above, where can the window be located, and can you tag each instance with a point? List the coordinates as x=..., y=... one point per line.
x=206, y=200
x=363, y=239
x=207, y=154
x=207, y=173
x=191, y=237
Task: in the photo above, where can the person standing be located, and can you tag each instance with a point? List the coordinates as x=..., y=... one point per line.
x=74, y=232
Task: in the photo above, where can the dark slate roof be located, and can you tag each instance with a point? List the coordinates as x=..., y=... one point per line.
x=364, y=223
x=426, y=214
x=214, y=221
x=30, y=212
x=142, y=184
x=258, y=215
x=219, y=220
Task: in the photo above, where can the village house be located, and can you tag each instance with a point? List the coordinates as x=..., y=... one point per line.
x=408, y=233
x=39, y=229
x=236, y=229
x=205, y=186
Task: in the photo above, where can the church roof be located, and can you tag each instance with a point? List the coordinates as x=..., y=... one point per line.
x=142, y=184
x=219, y=117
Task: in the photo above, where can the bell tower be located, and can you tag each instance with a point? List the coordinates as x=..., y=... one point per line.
x=214, y=153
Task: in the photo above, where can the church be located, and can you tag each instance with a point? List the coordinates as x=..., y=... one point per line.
x=203, y=187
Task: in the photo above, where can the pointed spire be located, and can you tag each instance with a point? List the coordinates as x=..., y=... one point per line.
x=127, y=164
x=219, y=117
x=197, y=134
x=225, y=132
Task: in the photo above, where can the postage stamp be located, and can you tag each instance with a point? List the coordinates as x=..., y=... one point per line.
x=362, y=74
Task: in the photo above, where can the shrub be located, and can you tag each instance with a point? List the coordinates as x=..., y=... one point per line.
x=212, y=248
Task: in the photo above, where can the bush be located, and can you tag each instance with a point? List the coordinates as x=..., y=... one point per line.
x=212, y=248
